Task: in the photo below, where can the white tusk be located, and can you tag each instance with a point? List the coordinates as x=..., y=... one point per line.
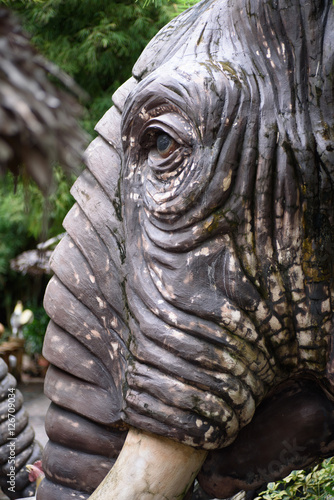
x=151, y=467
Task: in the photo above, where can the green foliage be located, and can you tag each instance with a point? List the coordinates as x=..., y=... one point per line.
x=316, y=484
x=26, y=215
x=33, y=333
x=13, y=224
x=26, y=218
x=179, y=6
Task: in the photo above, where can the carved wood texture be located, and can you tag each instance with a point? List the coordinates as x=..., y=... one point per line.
x=190, y=285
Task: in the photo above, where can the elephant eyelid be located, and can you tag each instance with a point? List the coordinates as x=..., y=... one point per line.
x=149, y=136
x=172, y=124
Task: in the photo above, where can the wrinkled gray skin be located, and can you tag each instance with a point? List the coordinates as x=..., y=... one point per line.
x=196, y=279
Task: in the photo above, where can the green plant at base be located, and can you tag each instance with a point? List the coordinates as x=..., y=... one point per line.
x=314, y=484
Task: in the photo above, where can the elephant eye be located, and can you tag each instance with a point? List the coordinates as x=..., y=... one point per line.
x=165, y=145
x=159, y=144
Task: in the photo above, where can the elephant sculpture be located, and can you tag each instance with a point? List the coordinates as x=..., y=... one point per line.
x=191, y=302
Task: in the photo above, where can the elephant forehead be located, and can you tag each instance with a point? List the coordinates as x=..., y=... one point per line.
x=197, y=89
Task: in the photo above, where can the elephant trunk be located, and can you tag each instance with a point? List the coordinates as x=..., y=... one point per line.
x=151, y=467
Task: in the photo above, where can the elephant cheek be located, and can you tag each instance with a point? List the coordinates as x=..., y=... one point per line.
x=151, y=467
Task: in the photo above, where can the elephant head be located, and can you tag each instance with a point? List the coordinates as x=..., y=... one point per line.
x=191, y=306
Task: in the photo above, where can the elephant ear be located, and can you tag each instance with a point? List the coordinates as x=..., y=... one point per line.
x=86, y=338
